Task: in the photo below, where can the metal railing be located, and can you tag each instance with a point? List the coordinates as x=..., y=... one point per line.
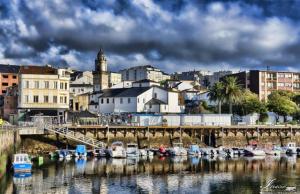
x=76, y=136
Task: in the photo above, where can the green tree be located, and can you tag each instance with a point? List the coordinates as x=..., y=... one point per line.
x=249, y=103
x=216, y=94
x=232, y=91
x=281, y=103
x=296, y=98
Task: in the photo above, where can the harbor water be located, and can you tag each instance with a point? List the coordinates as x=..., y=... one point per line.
x=160, y=175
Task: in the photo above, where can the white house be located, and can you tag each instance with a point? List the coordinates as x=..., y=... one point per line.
x=139, y=99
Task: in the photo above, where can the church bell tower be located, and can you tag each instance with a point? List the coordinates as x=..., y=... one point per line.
x=100, y=74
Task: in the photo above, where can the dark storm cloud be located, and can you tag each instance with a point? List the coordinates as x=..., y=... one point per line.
x=170, y=34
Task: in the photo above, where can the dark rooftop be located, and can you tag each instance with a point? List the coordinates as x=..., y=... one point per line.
x=46, y=70
x=155, y=101
x=82, y=114
x=124, y=92
x=9, y=68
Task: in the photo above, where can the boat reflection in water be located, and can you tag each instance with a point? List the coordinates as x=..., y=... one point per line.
x=180, y=174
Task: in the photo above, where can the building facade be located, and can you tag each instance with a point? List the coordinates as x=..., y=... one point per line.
x=43, y=90
x=114, y=78
x=101, y=74
x=10, y=101
x=264, y=82
x=152, y=99
x=143, y=73
x=8, y=77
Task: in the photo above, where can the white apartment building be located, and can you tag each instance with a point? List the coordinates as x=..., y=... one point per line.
x=152, y=99
x=81, y=82
x=43, y=90
x=114, y=78
x=144, y=72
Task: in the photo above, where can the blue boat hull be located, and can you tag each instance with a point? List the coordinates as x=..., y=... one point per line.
x=24, y=167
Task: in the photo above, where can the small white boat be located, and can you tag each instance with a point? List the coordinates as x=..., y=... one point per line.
x=117, y=150
x=194, y=150
x=146, y=152
x=273, y=150
x=291, y=148
x=99, y=152
x=178, y=150
x=132, y=150
x=22, y=163
x=209, y=151
x=254, y=151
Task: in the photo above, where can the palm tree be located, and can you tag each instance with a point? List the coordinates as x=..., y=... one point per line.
x=232, y=91
x=216, y=93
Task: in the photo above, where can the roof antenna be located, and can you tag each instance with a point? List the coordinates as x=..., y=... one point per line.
x=268, y=68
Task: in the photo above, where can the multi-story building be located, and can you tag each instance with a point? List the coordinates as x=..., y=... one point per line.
x=43, y=90
x=8, y=76
x=154, y=99
x=114, y=78
x=264, y=82
x=81, y=82
x=10, y=101
x=215, y=77
x=143, y=73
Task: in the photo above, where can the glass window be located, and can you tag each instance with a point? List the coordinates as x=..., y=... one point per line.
x=107, y=100
x=46, y=99
x=54, y=99
x=55, y=85
x=26, y=84
x=65, y=100
x=66, y=86
x=61, y=99
x=121, y=100
x=129, y=100
x=36, y=84
x=14, y=77
x=46, y=84
x=102, y=100
x=26, y=98
x=5, y=76
x=36, y=99
x=4, y=84
x=61, y=86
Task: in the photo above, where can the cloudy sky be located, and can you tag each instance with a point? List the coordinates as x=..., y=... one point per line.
x=175, y=35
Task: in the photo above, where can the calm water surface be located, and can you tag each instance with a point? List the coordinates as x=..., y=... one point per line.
x=160, y=175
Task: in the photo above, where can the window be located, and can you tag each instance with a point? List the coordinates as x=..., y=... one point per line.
x=3, y=91
x=121, y=100
x=5, y=76
x=46, y=84
x=54, y=99
x=61, y=86
x=55, y=85
x=26, y=99
x=14, y=84
x=4, y=84
x=129, y=100
x=107, y=100
x=66, y=86
x=165, y=107
x=26, y=84
x=35, y=99
x=65, y=100
x=155, y=95
x=46, y=99
x=61, y=99
x=102, y=100
x=113, y=100
x=138, y=100
x=14, y=77
x=36, y=84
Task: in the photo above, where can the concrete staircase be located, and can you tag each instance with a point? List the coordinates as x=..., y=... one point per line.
x=76, y=136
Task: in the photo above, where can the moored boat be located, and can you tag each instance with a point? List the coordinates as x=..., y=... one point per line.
x=291, y=148
x=194, y=150
x=22, y=163
x=117, y=150
x=132, y=150
x=80, y=151
x=254, y=151
x=178, y=150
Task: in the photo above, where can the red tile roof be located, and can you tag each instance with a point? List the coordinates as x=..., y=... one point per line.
x=38, y=70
